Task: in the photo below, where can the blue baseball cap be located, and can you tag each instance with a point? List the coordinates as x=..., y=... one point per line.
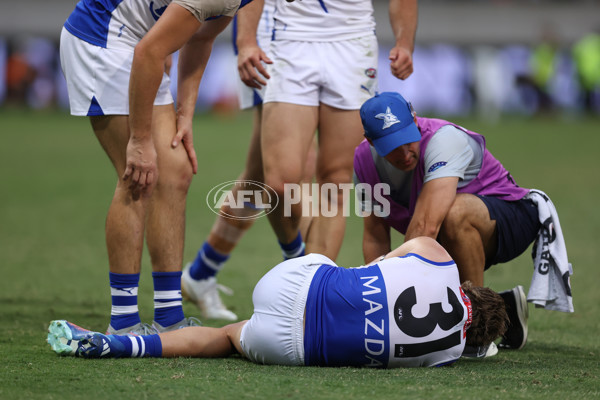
x=388, y=122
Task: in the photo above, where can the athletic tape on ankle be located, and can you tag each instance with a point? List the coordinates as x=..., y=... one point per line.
x=225, y=229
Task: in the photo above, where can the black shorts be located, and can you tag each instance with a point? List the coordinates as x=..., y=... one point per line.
x=517, y=226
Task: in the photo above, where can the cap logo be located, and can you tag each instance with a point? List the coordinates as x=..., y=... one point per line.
x=388, y=118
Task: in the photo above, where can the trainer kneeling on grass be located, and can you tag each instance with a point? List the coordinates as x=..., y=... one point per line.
x=445, y=184
x=405, y=309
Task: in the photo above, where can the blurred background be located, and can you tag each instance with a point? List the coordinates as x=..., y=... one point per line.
x=472, y=57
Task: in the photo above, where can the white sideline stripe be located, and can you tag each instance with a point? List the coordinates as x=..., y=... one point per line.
x=132, y=291
x=158, y=304
x=167, y=294
x=122, y=310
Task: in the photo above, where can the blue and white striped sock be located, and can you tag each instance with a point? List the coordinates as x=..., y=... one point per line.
x=293, y=249
x=168, y=308
x=134, y=346
x=208, y=262
x=124, y=289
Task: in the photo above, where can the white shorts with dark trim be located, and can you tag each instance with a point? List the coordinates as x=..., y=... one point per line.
x=275, y=332
x=98, y=78
x=340, y=74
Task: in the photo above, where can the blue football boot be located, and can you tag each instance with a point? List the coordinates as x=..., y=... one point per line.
x=69, y=339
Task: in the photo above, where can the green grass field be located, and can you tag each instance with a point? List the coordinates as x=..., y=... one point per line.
x=56, y=184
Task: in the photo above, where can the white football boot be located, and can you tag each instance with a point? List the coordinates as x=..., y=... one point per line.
x=205, y=294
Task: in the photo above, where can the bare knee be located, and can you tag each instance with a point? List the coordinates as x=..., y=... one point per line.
x=460, y=217
x=175, y=176
x=337, y=181
x=282, y=184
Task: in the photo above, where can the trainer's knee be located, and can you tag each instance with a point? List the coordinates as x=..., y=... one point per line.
x=458, y=216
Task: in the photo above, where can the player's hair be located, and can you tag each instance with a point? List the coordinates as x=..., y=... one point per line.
x=489, y=315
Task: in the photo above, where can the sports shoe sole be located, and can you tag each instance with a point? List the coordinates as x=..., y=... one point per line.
x=60, y=338
x=480, y=352
x=522, y=313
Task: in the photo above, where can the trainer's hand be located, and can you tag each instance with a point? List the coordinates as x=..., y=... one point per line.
x=185, y=135
x=251, y=67
x=140, y=169
x=401, y=63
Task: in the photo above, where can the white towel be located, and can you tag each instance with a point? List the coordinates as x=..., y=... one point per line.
x=551, y=283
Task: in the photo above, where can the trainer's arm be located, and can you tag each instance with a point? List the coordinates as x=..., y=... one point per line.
x=203, y=342
x=376, y=237
x=403, y=19
x=250, y=55
x=174, y=28
x=193, y=58
x=432, y=206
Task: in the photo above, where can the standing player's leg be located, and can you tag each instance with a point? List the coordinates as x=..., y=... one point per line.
x=286, y=139
x=199, y=281
x=310, y=170
x=165, y=222
x=124, y=229
x=341, y=95
x=97, y=80
x=340, y=131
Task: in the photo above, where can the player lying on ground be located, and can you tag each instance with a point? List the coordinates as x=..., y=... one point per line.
x=406, y=309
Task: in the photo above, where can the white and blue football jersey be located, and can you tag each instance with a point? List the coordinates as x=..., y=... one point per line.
x=121, y=24
x=115, y=24
x=402, y=312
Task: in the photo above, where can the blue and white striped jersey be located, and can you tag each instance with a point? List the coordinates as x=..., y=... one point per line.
x=121, y=24
x=402, y=312
x=115, y=24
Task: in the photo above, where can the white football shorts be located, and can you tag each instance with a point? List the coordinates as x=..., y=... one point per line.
x=98, y=78
x=275, y=332
x=340, y=74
